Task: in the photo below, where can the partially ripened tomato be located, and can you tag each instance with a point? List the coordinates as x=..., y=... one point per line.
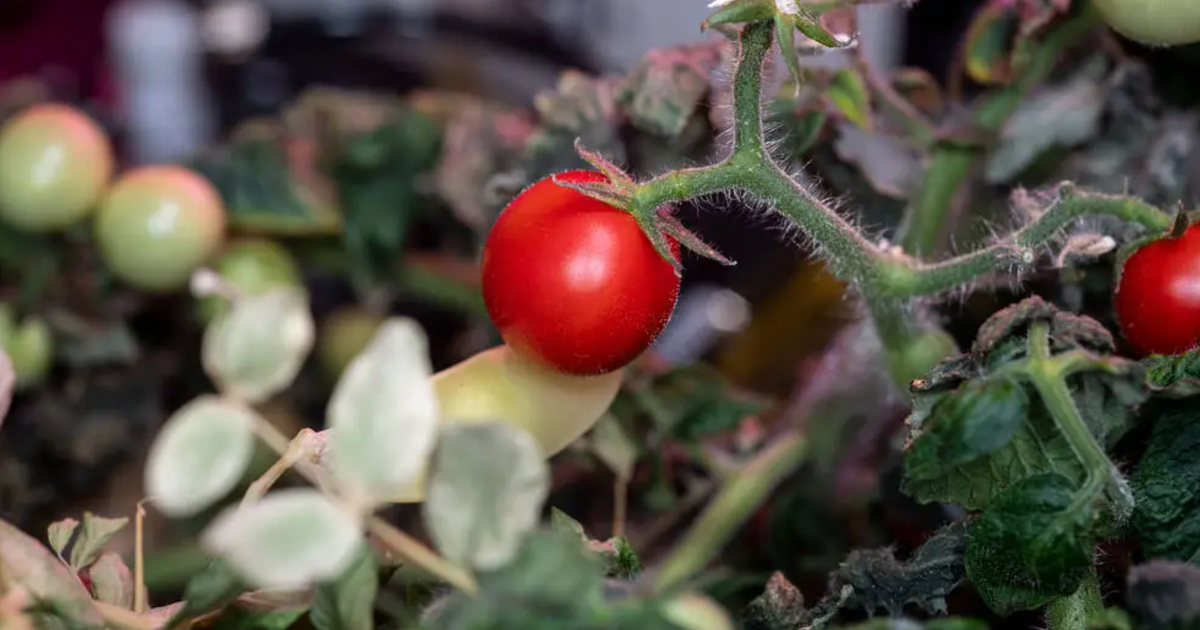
x=157, y=225
x=250, y=266
x=574, y=282
x=1153, y=22
x=55, y=162
x=1158, y=295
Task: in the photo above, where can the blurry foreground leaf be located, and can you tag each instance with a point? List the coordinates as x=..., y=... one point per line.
x=257, y=348
x=200, y=454
x=486, y=489
x=112, y=581
x=384, y=413
x=26, y=564
x=289, y=539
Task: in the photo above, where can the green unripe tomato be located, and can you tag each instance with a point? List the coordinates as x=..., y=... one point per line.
x=29, y=346
x=55, y=162
x=251, y=267
x=157, y=225
x=502, y=385
x=1153, y=22
x=921, y=355
x=344, y=335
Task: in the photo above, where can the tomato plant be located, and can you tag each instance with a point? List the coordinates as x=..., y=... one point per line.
x=157, y=224
x=54, y=164
x=29, y=345
x=250, y=266
x=1154, y=22
x=574, y=282
x=1158, y=295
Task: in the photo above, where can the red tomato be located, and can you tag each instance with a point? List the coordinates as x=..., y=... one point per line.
x=573, y=282
x=1158, y=296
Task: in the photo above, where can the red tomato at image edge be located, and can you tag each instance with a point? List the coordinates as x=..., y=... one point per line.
x=1158, y=296
x=573, y=282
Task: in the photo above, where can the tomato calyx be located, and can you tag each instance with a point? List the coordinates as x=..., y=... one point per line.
x=658, y=224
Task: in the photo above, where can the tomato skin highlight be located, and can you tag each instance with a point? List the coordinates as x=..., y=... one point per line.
x=574, y=282
x=1157, y=298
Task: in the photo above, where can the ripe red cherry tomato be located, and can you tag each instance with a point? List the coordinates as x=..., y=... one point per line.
x=573, y=282
x=1158, y=295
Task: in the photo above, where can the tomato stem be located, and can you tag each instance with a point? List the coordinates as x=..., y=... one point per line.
x=1182, y=222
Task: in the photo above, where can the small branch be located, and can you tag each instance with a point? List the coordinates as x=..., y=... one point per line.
x=907, y=279
x=740, y=497
x=747, y=82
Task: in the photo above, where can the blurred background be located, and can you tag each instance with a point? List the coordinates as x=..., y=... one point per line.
x=421, y=117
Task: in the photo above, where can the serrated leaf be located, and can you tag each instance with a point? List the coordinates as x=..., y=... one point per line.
x=348, y=602
x=1174, y=376
x=384, y=413
x=289, y=539
x=94, y=534
x=28, y=565
x=256, y=349
x=847, y=92
x=1033, y=545
x=1164, y=595
x=200, y=454
x=979, y=418
x=880, y=581
x=59, y=535
x=112, y=581
x=1166, y=514
x=486, y=491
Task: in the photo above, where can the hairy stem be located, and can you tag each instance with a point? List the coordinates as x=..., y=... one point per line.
x=743, y=493
x=1075, y=611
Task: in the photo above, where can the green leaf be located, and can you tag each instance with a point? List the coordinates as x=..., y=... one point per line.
x=847, y=92
x=112, y=581
x=93, y=536
x=200, y=454
x=988, y=43
x=1033, y=545
x=740, y=11
x=1166, y=514
x=289, y=539
x=28, y=565
x=241, y=618
x=256, y=349
x=785, y=35
x=562, y=522
x=613, y=446
x=262, y=192
x=1164, y=595
x=925, y=579
x=384, y=414
x=976, y=420
x=217, y=586
x=665, y=88
x=60, y=533
x=550, y=583
x=1174, y=376
x=348, y=603
x=486, y=489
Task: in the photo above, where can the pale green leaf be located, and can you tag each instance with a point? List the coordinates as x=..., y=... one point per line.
x=384, y=414
x=486, y=491
x=614, y=447
x=93, y=536
x=348, y=603
x=256, y=349
x=112, y=581
x=289, y=539
x=199, y=456
x=27, y=564
x=59, y=535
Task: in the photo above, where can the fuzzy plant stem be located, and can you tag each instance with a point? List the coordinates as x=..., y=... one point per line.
x=952, y=164
x=887, y=281
x=742, y=494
